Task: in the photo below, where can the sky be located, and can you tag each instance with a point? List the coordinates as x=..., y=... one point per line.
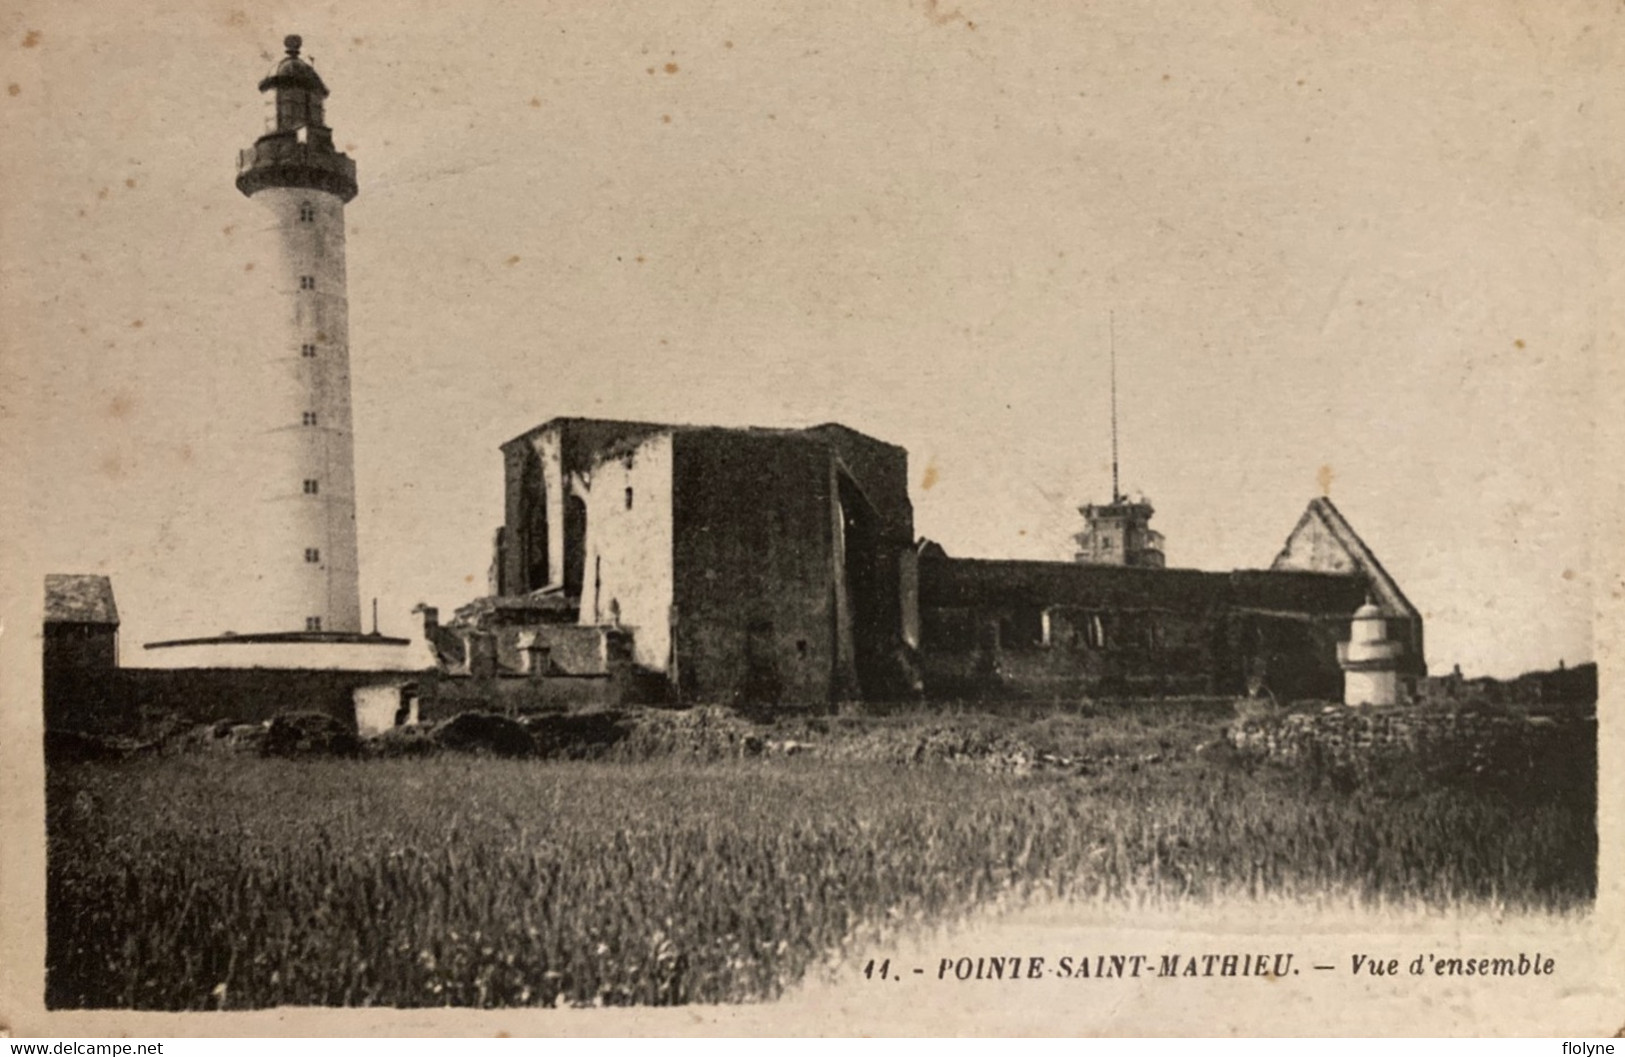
x=1359, y=252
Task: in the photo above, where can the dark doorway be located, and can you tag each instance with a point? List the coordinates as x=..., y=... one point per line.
x=864, y=569
x=763, y=684
x=575, y=544
x=533, y=530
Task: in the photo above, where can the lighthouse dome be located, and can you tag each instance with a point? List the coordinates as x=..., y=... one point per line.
x=1368, y=626
x=296, y=149
x=294, y=72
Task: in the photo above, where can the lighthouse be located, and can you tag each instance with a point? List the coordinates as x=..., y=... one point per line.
x=295, y=601
x=305, y=521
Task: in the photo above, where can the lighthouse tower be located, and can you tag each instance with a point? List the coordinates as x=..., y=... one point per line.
x=306, y=522
x=298, y=604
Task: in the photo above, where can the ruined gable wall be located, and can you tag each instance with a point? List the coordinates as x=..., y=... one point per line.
x=1313, y=548
x=537, y=468
x=1323, y=541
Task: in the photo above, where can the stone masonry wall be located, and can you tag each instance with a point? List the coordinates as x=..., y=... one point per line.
x=1473, y=742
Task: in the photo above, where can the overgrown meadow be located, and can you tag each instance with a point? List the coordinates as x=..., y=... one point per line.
x=231, y=881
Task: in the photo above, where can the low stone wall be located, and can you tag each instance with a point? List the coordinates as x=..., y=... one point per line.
x=512, y=695
x=1472, y=741
x=143, y=701
x=152, y=702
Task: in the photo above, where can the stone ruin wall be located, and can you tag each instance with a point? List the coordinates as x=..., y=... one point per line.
x=1475, y=741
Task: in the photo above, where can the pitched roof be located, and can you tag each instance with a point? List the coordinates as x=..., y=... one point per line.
x=77, y=598
x=1323, y=518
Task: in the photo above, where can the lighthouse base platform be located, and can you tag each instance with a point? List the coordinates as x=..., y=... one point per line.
x=309, y=650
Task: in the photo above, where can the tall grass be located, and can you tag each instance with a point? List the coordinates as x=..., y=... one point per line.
x=232, y=882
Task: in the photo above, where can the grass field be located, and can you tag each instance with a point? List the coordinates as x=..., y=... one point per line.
x=228, y=881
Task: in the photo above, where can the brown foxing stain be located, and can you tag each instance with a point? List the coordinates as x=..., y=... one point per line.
x=536, y=101
x=248, y=267
x=137, y=324
x=102, y=194
x=638, y=258
x=130, y=182
x=184, y=452
x=1323, y=477
x=511, y=261
x=120, y=406
x=468, y=579
x=14, y=88
x=112, y=466
x=665, y=119
x=727, y=44
x=228, y=229
x=358, y=41
x=672, y=67
x=929, y=480
x=32, y=38
x=1518, y=343
x=934, y=12
x=1568, y=574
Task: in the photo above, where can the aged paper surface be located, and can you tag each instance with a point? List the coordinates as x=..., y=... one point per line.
x=1370, y=253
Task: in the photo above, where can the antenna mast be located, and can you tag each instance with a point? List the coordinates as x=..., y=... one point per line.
x=1111, y=330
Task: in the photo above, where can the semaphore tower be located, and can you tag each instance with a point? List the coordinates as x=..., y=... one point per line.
x=307, y=521
x=1119, y=532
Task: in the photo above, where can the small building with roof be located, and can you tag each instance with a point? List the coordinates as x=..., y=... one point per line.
x=81, y=623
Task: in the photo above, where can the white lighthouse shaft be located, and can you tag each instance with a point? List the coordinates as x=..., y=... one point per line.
x=309, y=507
x=305, y=522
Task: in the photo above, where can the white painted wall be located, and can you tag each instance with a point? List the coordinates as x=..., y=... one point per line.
x=629, y=566
x=375, y=707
